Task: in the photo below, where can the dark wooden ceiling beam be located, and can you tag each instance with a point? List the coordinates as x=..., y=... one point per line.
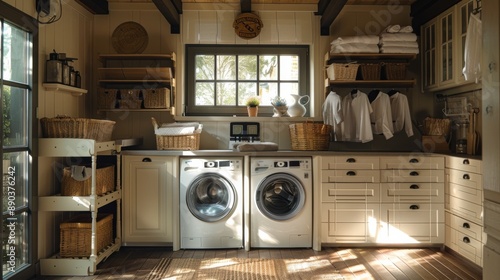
x=246, y=6
x=171, y=12
x=99, y=7
x=329, y=10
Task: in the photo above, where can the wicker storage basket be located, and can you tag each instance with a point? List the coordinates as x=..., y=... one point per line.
x=106, y=98
x=105, y=182
x=66, y=127
x=343, y=72
x=395, y=71
x=310, y=136
x=189, y=141
x=76, y=235
x=130, y=98
x=370, y=71
x=157, y=98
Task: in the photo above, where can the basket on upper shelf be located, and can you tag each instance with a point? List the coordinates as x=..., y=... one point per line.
x=342, y=71
x=68, y=127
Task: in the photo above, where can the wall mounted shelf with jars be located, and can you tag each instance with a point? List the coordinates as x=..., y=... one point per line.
x=65, y=88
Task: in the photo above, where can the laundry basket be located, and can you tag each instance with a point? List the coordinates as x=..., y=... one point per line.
x=310, y=136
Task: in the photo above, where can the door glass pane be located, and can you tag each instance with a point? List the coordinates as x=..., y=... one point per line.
x=15, y=235
x=15, y=187
x=450, y=61
x=14, y=106
x=15, y=54
x=450, y=28
x=444, y=63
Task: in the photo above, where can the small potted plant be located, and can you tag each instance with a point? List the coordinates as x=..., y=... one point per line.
x=280, y=108
x=253, y=103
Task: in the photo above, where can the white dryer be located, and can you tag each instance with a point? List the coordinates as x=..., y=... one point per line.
x=281, y=202
x=211, y=203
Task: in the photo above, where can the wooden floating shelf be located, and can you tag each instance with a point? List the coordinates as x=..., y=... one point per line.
x=60, y=87
x=376, y=83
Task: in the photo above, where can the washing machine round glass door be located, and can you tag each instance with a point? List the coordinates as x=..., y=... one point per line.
x=210, y=197
x=280, y=196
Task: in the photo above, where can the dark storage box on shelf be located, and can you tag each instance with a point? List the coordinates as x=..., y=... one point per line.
x=105, y=182
x=76, y=235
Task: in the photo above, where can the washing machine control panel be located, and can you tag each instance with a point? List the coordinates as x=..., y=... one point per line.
x=261, y=165
x=207, y=164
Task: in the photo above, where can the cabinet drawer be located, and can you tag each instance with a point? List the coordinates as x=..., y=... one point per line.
x=353, y=192
x=411, y=162
x=349, y=212
x=472, y=180
x=469, y=194
x=344, y=233
x=411, y=233
x=466, y=246
x=413, y=213
x=350, y=162
x=410, y=192
x=464, y=164
x=466, y=209
x=350, y=176
x=412, y=176
x=464, y=226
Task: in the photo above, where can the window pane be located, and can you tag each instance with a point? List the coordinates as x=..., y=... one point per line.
x=14, y=180
x=267, y=67
x=268, y=91
x=15, y=234
x=247, y=67
x=205, y=94
x=14, y=106
x=289, y=68
x=226, y=67
x=245, y=90
x=15, y=55
x=225, y=94
x=204, y=67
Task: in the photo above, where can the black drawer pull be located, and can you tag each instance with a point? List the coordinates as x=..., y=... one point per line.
x=146, y=159
x=415, y=187
x=466, y=161
x=414, y=173
x=466, y=239
x=351, y=160
x=351, y=173
x=466, y=177
x=413, y=160
x=466, y=225
x=414, y=207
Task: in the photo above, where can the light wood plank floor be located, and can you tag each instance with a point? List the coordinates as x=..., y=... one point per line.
x=353, y=263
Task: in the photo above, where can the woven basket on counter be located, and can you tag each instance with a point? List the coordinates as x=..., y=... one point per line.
x=67, y=127
x=343, y=72
x=105, y=182
x=310, y=136
x=176, y=142
x=76, y=235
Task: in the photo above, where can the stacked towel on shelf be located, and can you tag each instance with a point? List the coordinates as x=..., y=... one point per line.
x=396, y=39
x=355, y=44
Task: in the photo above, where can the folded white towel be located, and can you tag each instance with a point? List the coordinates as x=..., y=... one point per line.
x=363, y=39
x=354, y=48
x=392, y=28
x=399, y=44
x=384, y=37
x=406, y=29
x=399, y=50
x=180, y=124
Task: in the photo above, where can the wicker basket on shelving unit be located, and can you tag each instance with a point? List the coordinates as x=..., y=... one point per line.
x=76, y=235
x=67, y=127
x=310, y=136
x=157, y=98
x=370, y=71
x=73, y=186
x=177, y=138
x=342, y=71
x=395, y=71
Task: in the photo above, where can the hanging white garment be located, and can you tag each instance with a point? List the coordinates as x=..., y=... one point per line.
x=381, y=117
x=473, y=49
x=333, y=115
x=357, y=110
x=401, y=113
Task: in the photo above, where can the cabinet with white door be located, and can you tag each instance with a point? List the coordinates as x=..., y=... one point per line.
x=464, y=208
x=149, y=184
x=412, y=200
x=350, y=196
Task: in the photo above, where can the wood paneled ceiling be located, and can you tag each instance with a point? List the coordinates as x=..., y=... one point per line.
x=171, y=9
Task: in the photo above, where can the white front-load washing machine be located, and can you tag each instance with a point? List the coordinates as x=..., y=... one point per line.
x=281, y=202
x=211, y=203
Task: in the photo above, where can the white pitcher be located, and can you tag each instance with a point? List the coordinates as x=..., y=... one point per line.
x=297, y=109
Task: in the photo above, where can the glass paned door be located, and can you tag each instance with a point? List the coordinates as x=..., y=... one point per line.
x=15, y=91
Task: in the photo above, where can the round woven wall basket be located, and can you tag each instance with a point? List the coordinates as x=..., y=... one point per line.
x=129, y=37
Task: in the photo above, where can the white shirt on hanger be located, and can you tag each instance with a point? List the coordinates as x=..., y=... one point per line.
x=401, y=113
x=381, y=117
x=357, y=110
x=333, y=115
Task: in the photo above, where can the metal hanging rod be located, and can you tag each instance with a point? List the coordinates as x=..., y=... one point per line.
x=478, y=8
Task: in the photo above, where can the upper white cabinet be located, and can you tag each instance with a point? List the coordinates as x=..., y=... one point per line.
x=443, y=47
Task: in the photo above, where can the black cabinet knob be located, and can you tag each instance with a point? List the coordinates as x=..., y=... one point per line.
x=466, y=161
x=466, y=240
x=466, y=177
x=414, y=173
x=466, y=225
x=414, y=207
x=351, y=160
x=146, y=159
x=415, y=187
x=351, y=173
x=413, y=160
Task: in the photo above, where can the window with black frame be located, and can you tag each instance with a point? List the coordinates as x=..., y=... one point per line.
x=221, y=78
